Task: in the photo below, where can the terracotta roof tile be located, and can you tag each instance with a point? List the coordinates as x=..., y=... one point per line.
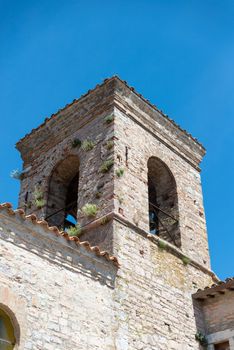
x=217, y=288
x=54, y=229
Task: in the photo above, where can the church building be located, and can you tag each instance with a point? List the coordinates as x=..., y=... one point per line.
x=108, y=248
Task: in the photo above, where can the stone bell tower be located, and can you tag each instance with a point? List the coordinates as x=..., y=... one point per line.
x=129, y=177
x=115, y=152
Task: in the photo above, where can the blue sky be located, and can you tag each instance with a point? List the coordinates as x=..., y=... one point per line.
x=178, y=54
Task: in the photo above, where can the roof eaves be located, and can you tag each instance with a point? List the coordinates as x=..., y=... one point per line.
x=217, y=288
x=129, y=87
x=7, y=207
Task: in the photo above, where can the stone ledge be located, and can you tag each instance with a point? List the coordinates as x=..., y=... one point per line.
x=111, y=85
x=185, y=154
x=169, y=247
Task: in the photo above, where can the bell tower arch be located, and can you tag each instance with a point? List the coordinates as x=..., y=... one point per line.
x=112, y=157
x=63, y=189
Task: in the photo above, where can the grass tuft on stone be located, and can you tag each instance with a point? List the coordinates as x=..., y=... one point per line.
x=90, y=210
x=98, y=194
x=38, y=199
x=120, y=198
x=109, y=119
x=162, y=245
x=87, y=145
x=201, y=338
x=74, y=230
x=106, y=165
x=105, y=220
x=39, y=203
x=76, y=143
x=38, y=194
x=185, y=260
x=110, y=144
x=16, y=174
x=120, y=172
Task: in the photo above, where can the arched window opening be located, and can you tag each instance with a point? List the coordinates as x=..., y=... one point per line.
x=63, y=194
x=7, y=334
x=153, y=205
x=71, y=202
x=163, y=202
x=70, y=221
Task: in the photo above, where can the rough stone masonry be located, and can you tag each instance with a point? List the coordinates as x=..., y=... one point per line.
x=121, y=285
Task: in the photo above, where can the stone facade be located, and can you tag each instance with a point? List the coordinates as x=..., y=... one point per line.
x=214, y=314
x=71, y=299
x=218, y=312
x=120, y=153
x=138, y=132
x=60, y=294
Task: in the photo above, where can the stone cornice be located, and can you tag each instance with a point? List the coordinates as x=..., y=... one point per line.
x=115, y=90
x=177, y=148
x=86, y=118
x=168, y=246
x=155, y=239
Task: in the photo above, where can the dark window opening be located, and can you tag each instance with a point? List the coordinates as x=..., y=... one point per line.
x=26, y=197
x=163, y=202
x=63, y=194
x=70, y=221
x=222, y=346
x=153, y=205
x=7, y=336
x=71, y=203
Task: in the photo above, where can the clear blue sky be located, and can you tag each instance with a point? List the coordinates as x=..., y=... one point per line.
x=178, y=54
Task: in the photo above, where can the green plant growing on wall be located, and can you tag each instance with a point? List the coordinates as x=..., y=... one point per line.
x=38, y=194
x=87, y=145
x=120, y=172
x=120, y=199
x=110, y=144
x=76, y=143
x=38, y=198
x=28, y=205
x=89, y=210
x=39, y=203
x=106, y=166
x=98, y=194
x=161, y=244
x=16, y=174
x=105, y=220
x=74, y=230
x=201, y=338
x=185, y=260
x=109, y=119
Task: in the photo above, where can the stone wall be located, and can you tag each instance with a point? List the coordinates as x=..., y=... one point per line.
x=153, y=290
x=64, y=296
x=148, y=304
x=139, y=138
x=214, y=315
x=52, y=144
x=139, y=131
x=219, y=312
x=60, y=294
